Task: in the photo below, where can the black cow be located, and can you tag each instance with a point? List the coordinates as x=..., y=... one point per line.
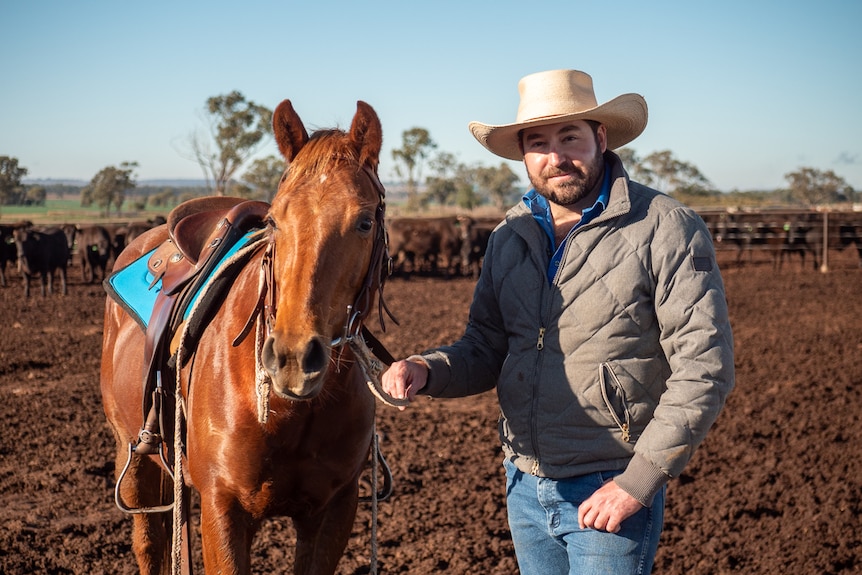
x=476, y=233
x=42, y=252
x=425, y=244
x=8, y=253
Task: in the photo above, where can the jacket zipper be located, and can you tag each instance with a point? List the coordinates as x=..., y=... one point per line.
x=625, y=426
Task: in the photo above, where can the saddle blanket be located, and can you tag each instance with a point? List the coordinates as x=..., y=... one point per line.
x=130, y=287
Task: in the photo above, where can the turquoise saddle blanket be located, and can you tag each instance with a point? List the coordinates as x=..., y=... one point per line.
x=130, y=286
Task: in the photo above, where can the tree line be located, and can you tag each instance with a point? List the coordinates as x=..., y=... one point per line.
x=237, y=128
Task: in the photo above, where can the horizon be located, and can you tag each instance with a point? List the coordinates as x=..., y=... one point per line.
x=744, y=103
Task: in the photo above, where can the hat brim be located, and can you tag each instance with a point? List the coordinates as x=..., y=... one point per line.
x=625, y=118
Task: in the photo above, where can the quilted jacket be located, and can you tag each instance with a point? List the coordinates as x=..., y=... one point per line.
x=623, y=362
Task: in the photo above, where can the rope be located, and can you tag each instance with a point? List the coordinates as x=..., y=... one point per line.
x=375, y=447
x=179, y=503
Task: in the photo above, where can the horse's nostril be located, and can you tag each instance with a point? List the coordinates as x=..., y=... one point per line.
x=315, y=357
x=268, y=357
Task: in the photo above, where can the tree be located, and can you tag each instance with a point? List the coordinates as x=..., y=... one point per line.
x=441, y=187
x=264, y=175
x=667, y=174
x=108, y=187
x=498, y=184
x=466, y=195
x=815, y=187
x=36, y=196
x=416, y=144
x=637, y=171
x=237, y=129
x=11, y=189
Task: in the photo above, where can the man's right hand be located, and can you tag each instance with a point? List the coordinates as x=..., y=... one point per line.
x=404, y=379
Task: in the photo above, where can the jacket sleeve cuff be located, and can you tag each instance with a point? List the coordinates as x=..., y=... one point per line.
x=642, y=480
x=438, y=372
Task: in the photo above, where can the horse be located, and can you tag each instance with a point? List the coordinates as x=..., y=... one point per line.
x=298, y=448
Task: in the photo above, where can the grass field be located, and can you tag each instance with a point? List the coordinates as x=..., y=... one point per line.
x=57, y=211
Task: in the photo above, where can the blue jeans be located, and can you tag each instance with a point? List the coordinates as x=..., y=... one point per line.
x=543, y=520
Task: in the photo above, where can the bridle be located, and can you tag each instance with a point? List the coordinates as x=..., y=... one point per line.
x=355, y=335
x=379, y=269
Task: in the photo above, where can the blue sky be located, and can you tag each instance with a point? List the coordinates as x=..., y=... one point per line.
x=745, y=90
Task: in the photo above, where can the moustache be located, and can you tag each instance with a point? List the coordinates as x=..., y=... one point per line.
x=554, y=172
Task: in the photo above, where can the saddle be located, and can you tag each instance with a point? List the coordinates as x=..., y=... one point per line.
x=200, y=232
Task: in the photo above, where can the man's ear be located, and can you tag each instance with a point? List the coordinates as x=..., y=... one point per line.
x=602, y=138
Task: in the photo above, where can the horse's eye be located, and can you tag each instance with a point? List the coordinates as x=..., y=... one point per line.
x=365, y=225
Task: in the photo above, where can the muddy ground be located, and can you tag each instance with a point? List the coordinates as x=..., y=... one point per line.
x=776, y=487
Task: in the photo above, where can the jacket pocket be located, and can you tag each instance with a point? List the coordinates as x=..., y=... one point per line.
x=615, y=400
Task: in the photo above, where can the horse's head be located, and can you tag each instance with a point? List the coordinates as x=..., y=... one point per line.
x=327, y=219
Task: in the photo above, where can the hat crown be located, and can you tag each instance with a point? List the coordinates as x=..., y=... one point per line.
x=555, y=93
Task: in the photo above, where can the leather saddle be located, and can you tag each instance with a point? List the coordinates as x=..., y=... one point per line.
x=200, y=232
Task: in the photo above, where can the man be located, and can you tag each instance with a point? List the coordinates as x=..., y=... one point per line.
x=600, y=316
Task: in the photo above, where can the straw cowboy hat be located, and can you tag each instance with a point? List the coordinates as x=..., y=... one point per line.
x=561, y=96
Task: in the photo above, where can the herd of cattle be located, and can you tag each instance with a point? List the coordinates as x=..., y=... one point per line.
x=785, y=235
x=48, y=251
x=441, y=246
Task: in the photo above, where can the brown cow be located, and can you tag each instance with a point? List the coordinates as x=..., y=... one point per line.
x=42, y=252
x=94, y=250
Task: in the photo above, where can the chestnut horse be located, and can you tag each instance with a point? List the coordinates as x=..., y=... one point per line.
x=302, y=456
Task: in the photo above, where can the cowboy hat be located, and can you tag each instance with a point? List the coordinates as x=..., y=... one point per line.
x=561, y=96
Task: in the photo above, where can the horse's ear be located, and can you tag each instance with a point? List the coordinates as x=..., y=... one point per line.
x=290, y=134
x=367, y=133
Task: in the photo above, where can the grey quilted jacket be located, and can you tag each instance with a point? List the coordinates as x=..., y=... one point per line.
x=623, y=362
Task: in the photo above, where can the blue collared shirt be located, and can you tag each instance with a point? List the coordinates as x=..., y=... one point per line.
x=541, y=211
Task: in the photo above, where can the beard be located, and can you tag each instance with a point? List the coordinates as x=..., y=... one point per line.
x=581, y=184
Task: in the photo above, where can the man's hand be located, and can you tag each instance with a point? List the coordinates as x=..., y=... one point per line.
x=607, y=508
x=404, y=378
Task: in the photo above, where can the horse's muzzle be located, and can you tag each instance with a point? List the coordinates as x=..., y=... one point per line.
x=297, y=371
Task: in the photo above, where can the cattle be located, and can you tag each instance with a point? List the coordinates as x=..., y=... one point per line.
x=851, y=233
x=93, y=247
x=842, y=231
x=71, y=231
x=476, y=233
x=8, y=253
x=425, y=245
x=42, y=252
x=748, y=234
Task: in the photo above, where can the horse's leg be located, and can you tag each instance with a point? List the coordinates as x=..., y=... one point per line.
x=227, y=532
x=321, y=538
x=145, y=484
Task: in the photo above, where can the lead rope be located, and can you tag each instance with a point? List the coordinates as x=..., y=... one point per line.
x=375, y=451
x=179, y=503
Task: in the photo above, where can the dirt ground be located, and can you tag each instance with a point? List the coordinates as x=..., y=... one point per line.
x=776, y=487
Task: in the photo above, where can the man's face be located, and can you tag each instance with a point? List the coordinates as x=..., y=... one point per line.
x=564, y=161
